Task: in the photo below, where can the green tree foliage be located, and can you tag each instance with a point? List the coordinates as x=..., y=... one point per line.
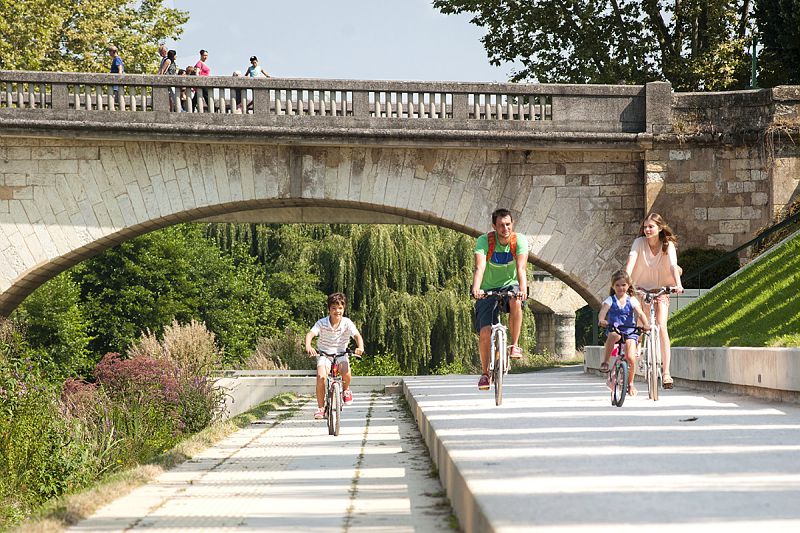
x=779, y=33
x=695, y=44
x=176, y=272
x=73, y=35
x=56, y=327
x=407, y=286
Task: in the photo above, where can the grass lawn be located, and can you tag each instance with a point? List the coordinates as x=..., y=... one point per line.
x=758, y=307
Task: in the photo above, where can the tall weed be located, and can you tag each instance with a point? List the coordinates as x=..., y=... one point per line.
x=281, y=352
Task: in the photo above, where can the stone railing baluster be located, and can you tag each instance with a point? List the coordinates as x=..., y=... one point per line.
x=360, y=103
x=329, y=100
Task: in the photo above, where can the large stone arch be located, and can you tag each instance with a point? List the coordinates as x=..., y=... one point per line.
x=64, y=200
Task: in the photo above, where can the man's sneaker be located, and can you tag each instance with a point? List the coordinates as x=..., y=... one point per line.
x=516, y=352
x=483, y=383
x=319, y=413
x=348, y=397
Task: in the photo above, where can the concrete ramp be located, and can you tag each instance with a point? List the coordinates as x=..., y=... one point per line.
x=556, y=456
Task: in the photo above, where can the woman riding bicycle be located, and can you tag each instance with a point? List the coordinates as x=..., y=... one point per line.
x=500, y=260
x=652, y=264
x=621, y=309
x=335, y=331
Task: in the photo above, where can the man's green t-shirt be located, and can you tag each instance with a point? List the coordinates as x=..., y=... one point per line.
x=501, y=268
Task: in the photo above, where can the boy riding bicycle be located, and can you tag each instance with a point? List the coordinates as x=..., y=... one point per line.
x=335, y=331
x=500, y=260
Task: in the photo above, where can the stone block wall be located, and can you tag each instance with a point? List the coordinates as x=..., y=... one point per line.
x=712, y=196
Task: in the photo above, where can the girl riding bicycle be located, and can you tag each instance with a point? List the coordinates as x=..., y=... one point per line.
x=621, y=309
x=652, y=264
x=335, y=331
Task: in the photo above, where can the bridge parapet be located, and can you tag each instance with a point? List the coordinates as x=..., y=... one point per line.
x=41, y=97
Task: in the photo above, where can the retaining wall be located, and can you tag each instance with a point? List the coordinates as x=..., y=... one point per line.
x=771, y=373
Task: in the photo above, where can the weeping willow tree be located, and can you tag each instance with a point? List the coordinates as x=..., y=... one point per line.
x=408, y=286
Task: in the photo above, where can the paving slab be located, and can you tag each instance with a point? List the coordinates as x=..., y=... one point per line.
x=293, y=476
x=556, y=456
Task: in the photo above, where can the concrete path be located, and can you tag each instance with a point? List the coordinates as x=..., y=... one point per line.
x=375, y=476
x=556, y=456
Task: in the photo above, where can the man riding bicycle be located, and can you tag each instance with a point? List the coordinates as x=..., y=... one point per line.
x=500, y=260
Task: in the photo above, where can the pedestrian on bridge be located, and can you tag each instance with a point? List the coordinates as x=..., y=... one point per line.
x=202, y=69
x=254, y=69
x=117, y=67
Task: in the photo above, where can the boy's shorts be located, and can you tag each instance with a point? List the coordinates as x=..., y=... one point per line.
x=325, y=361
x=487, y=313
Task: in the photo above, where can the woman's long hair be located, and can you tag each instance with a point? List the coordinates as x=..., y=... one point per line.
x=665, y=233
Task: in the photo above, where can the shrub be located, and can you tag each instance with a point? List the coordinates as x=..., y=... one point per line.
x=282, y=352
x=377, y=365
x=191, y=350
x=138, y=379
x=694, y=259
x=190, y=347
x=37, y=459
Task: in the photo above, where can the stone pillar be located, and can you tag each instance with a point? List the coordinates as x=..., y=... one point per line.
x=564, y=335
x=545, y=328
x=658, y=107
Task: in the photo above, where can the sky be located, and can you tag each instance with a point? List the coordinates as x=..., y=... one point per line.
x=347, y=39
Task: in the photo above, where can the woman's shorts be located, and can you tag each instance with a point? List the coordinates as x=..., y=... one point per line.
x=325, y=361
x=487, y=313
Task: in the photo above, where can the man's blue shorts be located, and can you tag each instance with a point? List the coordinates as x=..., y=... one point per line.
x=487, y=310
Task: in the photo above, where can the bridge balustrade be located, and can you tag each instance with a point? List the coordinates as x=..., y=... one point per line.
x=471, y=106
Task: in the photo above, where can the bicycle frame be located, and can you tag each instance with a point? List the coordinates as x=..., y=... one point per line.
x=334, y=393
x=651, y=345
x=619, y=371
x=499, y=361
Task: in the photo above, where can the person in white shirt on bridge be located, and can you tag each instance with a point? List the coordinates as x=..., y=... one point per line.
x=335, y=331
x=652, y=264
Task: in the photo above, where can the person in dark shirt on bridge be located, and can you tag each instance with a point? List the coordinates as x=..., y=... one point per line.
x=498, y=267
x=117, y=67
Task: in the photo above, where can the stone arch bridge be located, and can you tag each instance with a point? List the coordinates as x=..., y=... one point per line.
x=82, y=170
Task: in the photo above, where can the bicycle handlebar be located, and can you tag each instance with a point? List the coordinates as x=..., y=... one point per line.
x=336, y=356
x=652, y=294
x=615, y=328
x=500, y=294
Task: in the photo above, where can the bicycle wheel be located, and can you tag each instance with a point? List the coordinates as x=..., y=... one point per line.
x=620, y=385
x=338, y=408
x=499, y=372
x=655, y=372
x=654, y=363
x=331, y=412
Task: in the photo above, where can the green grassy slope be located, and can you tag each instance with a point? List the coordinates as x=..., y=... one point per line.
x=758, y=307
